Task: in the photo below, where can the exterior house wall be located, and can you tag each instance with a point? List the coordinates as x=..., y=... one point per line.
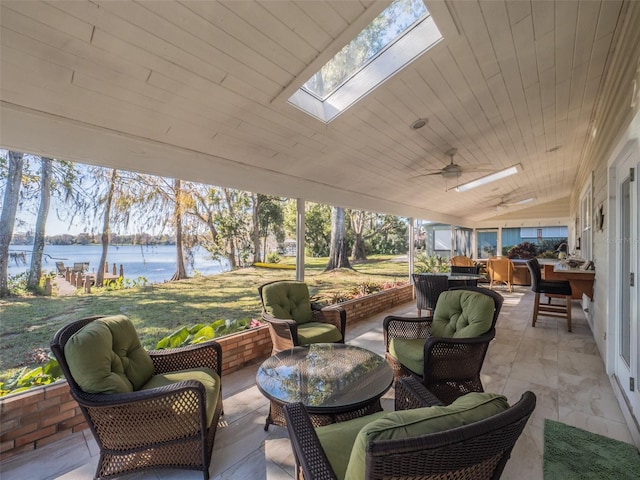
x=615, y=130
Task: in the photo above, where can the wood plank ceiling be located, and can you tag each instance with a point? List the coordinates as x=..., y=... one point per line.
x=198, y=89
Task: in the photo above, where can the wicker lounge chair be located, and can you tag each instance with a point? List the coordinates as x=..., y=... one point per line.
x=461, y=261
x=501, y=270
x=447, y=361
x=433, y=442
x=168, y=422
x=293, y=320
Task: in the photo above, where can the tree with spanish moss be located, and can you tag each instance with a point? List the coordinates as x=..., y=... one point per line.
x=13, y=165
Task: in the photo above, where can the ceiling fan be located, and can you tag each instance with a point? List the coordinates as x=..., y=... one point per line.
x=504, y=204
x=453, y=170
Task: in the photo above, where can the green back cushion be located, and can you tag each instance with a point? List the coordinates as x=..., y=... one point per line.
x=288, y=300
x=421, y=421
x=462, y=314
x=105, y=356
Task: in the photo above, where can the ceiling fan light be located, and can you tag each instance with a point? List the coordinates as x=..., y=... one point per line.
x=478, y=182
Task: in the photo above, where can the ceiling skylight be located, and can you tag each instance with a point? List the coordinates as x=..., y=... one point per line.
x=402, y=32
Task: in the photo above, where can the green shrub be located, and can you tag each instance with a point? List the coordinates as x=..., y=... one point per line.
x=431, y=263
x=273, y=257
x=524, y=250
x=25, y=379
x=201, y=332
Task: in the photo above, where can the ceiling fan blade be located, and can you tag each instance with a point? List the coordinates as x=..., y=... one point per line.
x=428, y=174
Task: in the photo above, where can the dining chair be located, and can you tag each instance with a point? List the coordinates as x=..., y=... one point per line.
x=428, y=288
x=550, y=288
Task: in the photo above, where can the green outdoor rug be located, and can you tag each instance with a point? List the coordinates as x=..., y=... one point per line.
x=572, y=453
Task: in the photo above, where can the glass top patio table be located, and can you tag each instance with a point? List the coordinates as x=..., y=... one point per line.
x=334, y=381
x=458, y=276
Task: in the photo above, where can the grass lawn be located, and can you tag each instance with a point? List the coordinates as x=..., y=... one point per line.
x=29, y=323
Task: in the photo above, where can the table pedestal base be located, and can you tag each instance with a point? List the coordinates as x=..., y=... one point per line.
x=276, y=415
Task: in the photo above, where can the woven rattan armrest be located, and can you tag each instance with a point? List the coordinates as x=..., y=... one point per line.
x=283, y=328
x=307, y=448
x=206, y=354
x=411, y=393
x=406, y=328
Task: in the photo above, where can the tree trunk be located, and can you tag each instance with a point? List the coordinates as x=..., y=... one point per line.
x=35, y=271
x=181, y=271
x=8, y=216
x=231, y=243
x=338, y=252
x=106, y=223
x=255, y=232
x=358, y=253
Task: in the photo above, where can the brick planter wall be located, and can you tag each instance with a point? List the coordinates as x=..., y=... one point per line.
x=43, y=415
x=365, y=307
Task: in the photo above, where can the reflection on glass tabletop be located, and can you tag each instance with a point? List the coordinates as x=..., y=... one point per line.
x=325, y=375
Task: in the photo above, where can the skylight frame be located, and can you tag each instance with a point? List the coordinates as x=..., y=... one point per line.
x=417, y=39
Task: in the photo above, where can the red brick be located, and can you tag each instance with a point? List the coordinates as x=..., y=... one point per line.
x=19, y=412
x=6, y=446
x=52, y=420
x=8, y=425
x=71, y=405
x=19, y=432
x=18, y=450
x=80, y=427
x=50, y=402
x=41, y=415
x=32, y=437
x=72, y=422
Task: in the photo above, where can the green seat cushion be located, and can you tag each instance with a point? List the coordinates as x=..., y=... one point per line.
x=105, y=356
x=204, y=375
x=409, y=352
x=317, y=332
x=421, y=421
x=288, y=300
x=462, y=314
x=337, y=440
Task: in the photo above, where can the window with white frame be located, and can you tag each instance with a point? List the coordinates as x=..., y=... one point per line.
x=586, y=223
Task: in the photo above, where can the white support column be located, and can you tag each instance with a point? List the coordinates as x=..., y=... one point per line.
x=411, y=246
x=300, y=226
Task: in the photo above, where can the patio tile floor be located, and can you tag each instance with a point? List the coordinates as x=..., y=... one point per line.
x=563, y=369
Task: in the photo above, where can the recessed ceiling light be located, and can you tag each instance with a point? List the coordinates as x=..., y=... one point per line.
x=419, y=123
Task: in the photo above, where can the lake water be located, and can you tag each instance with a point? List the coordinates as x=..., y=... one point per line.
x=157, y=263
